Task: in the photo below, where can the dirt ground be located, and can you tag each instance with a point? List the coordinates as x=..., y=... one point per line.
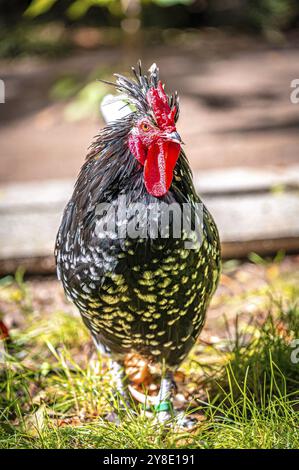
x=235, y=106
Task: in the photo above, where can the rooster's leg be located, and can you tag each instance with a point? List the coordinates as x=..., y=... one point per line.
x=164, y=403
x=120, y=384
x=120, y=398
x=120, y=393
x=120, y=401
x=164, y=408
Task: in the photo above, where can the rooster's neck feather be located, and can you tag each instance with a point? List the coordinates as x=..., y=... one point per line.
x=111, y=169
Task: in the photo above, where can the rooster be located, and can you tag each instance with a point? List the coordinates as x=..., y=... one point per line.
x=140, y=294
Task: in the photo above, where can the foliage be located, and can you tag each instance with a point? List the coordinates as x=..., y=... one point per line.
x=48, y=27
x=79, y=8
x=271, y=14
x=260, y=14
x=38, y=7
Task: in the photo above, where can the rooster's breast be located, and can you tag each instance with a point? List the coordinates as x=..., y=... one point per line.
x=141, y=294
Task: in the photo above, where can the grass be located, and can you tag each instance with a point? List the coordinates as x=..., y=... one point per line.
x=55, y=394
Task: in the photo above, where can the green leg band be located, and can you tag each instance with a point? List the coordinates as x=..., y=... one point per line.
x=163, y=406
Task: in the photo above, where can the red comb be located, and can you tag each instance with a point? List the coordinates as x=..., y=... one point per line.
x=158, y=101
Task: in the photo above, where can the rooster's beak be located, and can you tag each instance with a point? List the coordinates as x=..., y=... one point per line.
x=174, y=137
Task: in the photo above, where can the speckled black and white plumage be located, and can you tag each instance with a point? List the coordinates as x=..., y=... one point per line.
x=139, y=295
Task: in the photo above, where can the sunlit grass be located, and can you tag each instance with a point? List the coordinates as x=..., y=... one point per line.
x=55, y=393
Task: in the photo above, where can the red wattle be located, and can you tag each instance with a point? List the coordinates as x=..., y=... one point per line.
x=159, y=165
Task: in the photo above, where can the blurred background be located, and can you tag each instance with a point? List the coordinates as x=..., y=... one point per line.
x=232, y=62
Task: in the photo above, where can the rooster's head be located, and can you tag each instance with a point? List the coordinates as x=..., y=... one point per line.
x=153, y=139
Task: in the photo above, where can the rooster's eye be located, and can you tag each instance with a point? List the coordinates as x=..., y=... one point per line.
x=145, y=127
